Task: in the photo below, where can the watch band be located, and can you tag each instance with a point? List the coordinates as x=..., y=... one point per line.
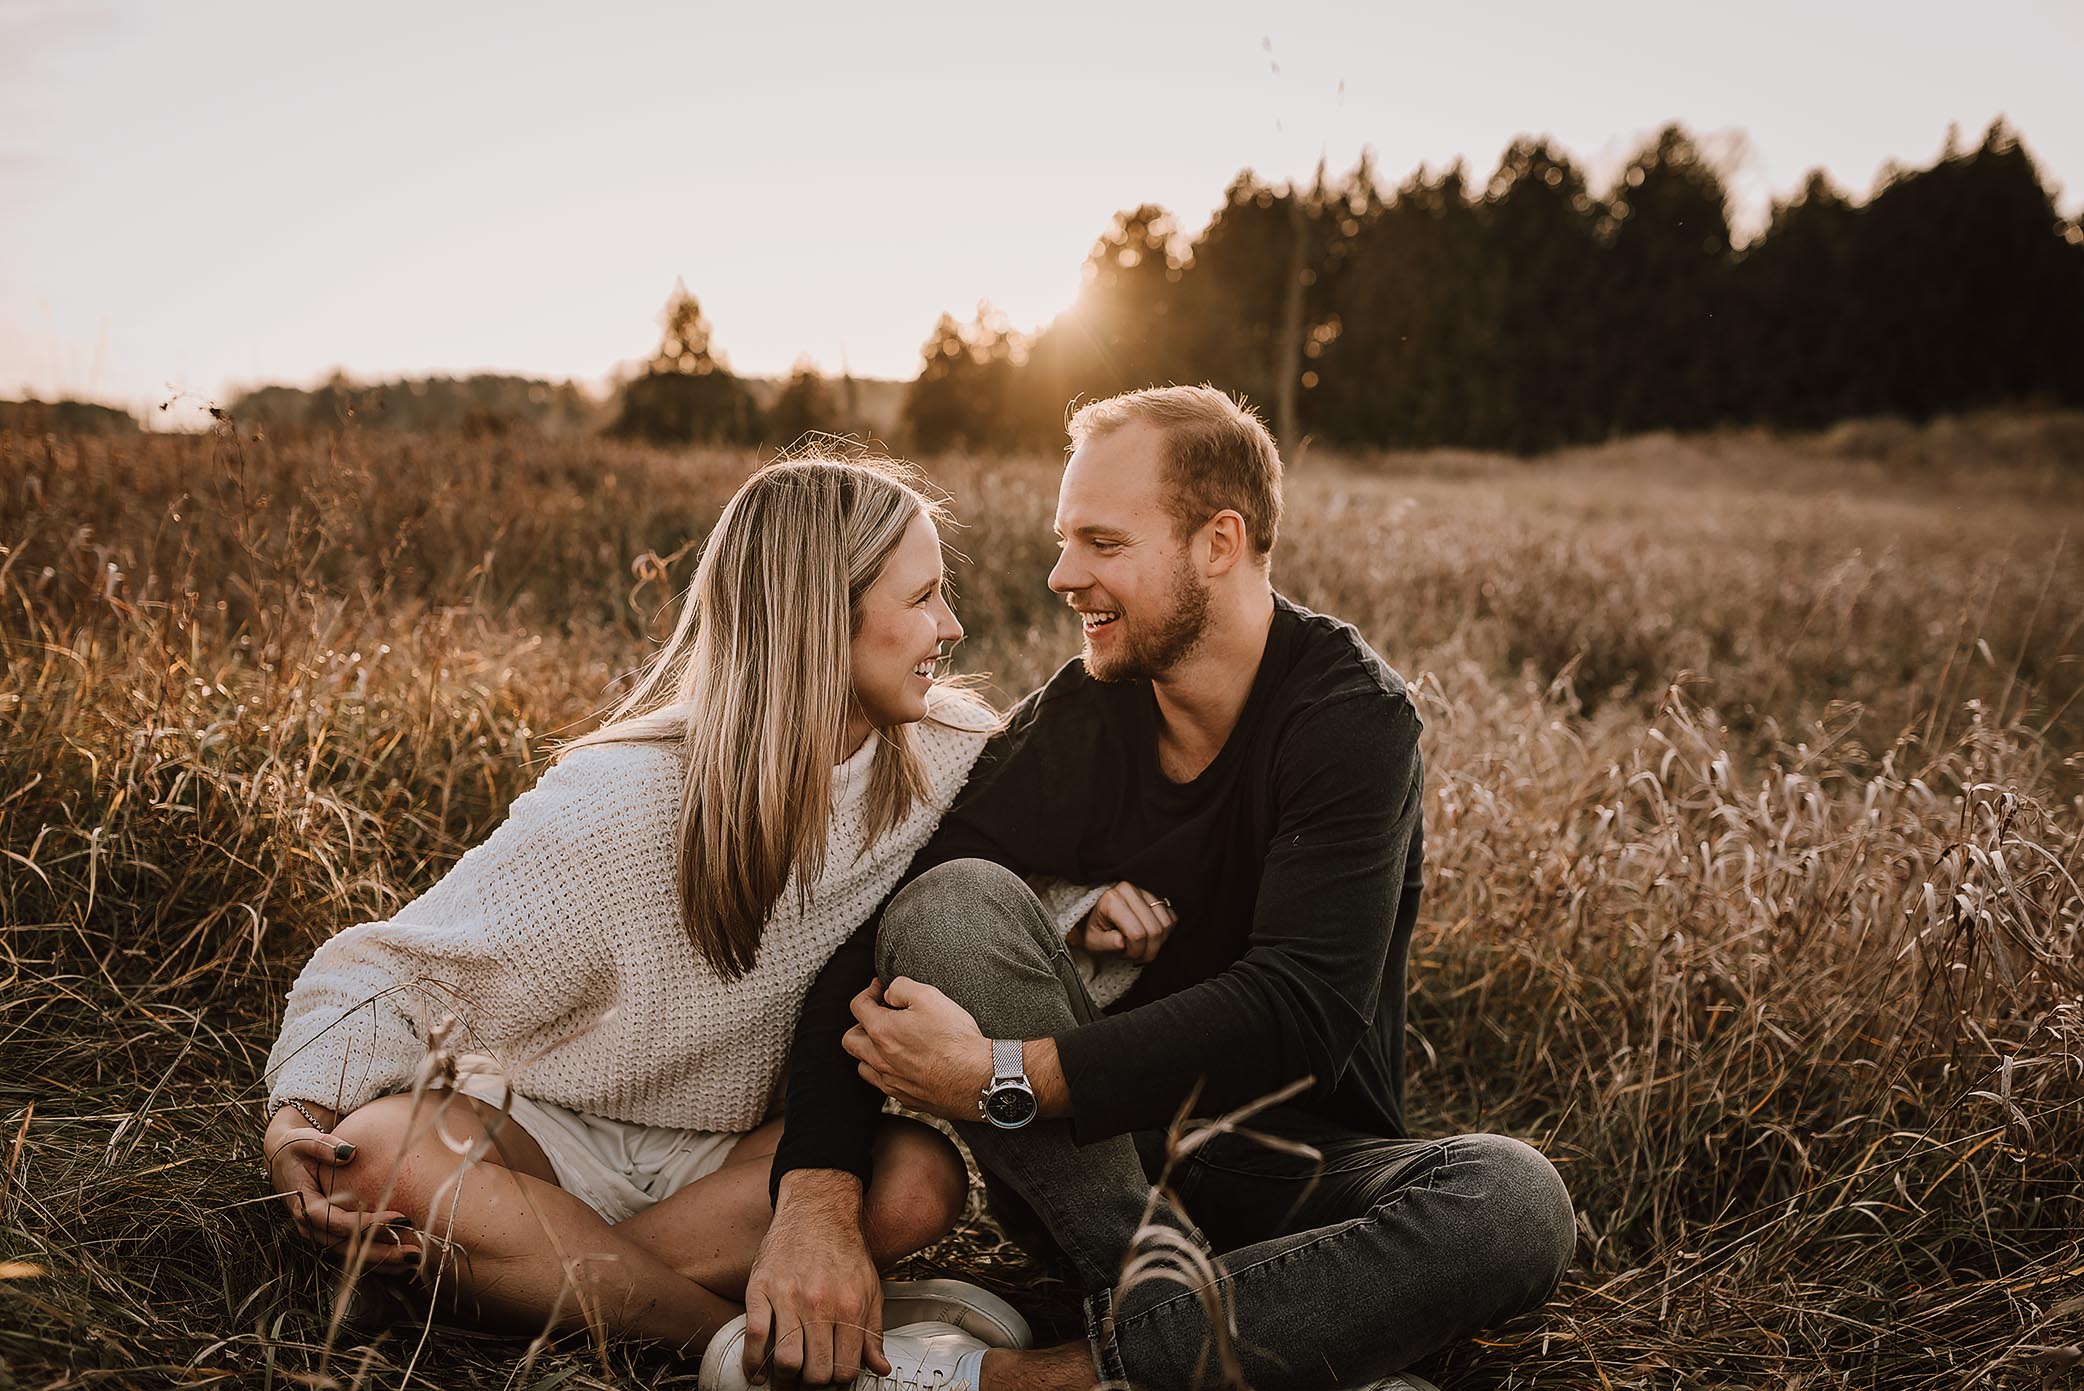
x=1005, y=1059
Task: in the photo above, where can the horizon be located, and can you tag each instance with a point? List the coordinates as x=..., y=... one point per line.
x=389, y=216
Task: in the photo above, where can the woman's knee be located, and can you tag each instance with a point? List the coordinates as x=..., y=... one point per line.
x=919, y=1189
x=410, y=1151
x=381, y=1133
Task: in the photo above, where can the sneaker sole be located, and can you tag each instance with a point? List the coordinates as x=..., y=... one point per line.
x=721, y=1362
x=979, y=1313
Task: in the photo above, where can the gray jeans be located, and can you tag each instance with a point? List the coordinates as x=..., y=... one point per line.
x=1337, y=1273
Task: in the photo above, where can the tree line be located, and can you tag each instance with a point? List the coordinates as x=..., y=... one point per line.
x=486, y=404
x=1524, y=313
x=1534, y=311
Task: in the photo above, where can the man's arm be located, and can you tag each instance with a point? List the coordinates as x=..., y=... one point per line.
x=1336, y=904
x=830, y=1114
x=1336, y=900
x=822, y=1165
x=813, y=1270
x=829, y=1110
x=813, y=1302
x=1332, y=907
x=925, y=1051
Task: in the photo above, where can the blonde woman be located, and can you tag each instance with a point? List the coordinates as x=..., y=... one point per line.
x=623, y=960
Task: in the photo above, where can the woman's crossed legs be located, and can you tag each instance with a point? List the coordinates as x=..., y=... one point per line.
x=513, y=1249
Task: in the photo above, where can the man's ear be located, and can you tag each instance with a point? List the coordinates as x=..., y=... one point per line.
x=1228, y=541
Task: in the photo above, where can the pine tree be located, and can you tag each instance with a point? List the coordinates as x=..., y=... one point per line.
x=1404, y=351
x=1794, y=339
x=971, y=387
x=1967, y=285
x=805, y=408
x=686, y=394
x=1122, y=333
x=1670, y=267
x=1544, y=299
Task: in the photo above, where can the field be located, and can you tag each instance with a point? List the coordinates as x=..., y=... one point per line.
x=1754, y=827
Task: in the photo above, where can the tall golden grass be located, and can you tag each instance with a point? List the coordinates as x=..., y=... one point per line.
x=1753, y=833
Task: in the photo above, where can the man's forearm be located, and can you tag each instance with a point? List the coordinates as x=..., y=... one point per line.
x=832, y=1197
x=813, y=1273
x=1046, y=1075
x=830, y=1120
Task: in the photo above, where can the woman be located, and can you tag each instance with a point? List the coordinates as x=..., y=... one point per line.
x=622, y=961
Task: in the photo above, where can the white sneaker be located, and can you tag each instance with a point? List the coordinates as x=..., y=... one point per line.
x=923, y=1357
x=979, y=1313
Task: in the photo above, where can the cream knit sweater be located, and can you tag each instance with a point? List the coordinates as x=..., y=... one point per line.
x=557, y=944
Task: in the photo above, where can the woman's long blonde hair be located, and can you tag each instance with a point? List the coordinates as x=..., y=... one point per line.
x=756, y=686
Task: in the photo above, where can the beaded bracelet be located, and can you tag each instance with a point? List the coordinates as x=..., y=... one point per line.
x=275, y=1106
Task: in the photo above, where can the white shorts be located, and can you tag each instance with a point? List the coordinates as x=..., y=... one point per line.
x=616, y=1168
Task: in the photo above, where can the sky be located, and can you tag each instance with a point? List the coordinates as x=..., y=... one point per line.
x=201, y=196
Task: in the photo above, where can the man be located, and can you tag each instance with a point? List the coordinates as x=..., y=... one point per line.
x=1246, y=777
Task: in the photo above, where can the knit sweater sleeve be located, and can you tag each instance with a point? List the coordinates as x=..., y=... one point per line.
x=500, y=944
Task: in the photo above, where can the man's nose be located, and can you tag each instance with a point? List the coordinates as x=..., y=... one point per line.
x=1065, y=576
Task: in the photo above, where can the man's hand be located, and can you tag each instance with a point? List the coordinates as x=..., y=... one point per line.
x=1127, y=920
x=917, y=1045
x=814, y=1303
x=303, y=1167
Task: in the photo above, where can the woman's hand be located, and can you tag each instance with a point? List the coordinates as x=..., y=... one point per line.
x=304, y=1167
x=1127, y=921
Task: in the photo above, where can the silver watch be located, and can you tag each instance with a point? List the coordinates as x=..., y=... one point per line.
x=1008, y=1102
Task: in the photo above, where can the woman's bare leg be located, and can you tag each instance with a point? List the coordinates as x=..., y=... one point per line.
x=711, y=1230
x=493, y=1225
x=521, y=1252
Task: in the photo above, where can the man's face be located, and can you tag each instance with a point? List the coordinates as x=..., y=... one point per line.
x=1142, y=604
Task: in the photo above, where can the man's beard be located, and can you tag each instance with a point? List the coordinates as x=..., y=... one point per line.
x=1146, y=655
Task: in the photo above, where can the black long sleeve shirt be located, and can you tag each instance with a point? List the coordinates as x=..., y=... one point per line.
x=1293, y=862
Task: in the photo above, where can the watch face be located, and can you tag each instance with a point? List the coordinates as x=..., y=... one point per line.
x=1009, y=1106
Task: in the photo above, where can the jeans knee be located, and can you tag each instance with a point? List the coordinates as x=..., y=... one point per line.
x=948, y=913
x=1533, y=1229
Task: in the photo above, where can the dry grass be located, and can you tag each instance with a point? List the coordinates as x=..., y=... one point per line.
x=1754, y=835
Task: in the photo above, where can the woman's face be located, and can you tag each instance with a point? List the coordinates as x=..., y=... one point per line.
x=903, y=622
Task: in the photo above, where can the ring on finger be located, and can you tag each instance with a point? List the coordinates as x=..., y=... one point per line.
x=1164, y=903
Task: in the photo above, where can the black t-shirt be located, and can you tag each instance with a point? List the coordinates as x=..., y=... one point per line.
x=1293, y=862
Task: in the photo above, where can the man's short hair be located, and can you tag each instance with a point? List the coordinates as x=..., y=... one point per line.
x=1218, y=454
